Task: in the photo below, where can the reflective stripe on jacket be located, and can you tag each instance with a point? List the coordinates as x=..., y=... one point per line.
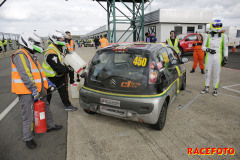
x=104, y=42
x=70, y=46
x=175, y=46
x=36, y=72
x=48, y=71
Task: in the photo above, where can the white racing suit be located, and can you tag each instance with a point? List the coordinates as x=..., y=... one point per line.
x=214, y=61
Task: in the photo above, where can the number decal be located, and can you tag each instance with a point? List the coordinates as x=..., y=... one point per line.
x=139, y=61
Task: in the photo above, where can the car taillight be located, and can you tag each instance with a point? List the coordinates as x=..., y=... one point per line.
x=153, y=77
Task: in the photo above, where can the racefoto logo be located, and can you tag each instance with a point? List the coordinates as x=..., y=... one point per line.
x=210, y=151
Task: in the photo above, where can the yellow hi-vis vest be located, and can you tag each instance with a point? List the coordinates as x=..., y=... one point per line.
x=175, y=46
x=18, y=86
x=48, y=71
x=1, y=43
x=5, y=42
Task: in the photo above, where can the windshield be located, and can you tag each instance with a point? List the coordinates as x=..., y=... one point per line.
x=181, y=37
x=121, y=65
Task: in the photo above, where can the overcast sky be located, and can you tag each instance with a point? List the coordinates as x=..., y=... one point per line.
x=83, y=16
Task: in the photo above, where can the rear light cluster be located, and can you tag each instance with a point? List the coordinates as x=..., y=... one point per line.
x=153, y=75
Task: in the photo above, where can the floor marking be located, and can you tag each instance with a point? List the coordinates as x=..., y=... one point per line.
x=229, y=95
x=189, y=103
x=8, y=109
x=234, y=90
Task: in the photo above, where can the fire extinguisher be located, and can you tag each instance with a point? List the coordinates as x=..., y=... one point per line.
x=40, y=117
x=40, y=114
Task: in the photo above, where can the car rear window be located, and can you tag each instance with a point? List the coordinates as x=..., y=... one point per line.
x=181, y=37
x=128, y=65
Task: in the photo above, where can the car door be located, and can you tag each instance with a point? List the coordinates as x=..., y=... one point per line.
x=176, y=69
x=189, y=40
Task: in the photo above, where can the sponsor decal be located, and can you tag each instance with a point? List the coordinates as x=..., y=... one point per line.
x=130, y=84
x=165, y=57
x=210, y=151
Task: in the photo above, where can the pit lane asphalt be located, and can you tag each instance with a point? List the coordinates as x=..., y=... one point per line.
x=103, y=137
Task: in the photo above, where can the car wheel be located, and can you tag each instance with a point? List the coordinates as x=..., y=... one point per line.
x=88, y=111
x=184, y=80
x=162, y=118
x=181, y=50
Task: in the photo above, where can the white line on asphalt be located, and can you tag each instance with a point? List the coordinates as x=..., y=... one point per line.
x=231, y=86
x=8, y=109
x=229, y=95
x=232, y=89
x=189, y=103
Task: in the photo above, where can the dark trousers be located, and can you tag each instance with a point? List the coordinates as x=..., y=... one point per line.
x=5, y=48
x=63, y=91
x=71, y=77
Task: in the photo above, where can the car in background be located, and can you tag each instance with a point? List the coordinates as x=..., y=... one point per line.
x=133, y=81
x=186, y=42
x=89, y=43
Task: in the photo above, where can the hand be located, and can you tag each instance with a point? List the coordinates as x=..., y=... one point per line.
x=194, y=44
x=35, y=95
x=51, y=86
x=224, y=62
x=212, y=51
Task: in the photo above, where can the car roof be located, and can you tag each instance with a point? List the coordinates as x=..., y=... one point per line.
x=151, y=47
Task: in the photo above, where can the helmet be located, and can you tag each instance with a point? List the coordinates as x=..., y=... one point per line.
x=216, y=26
x=31, y=41
x=56, y=35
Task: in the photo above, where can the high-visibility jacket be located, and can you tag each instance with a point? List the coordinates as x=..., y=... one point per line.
x=104, y=42
x=48, y=71
x=175, y=46
x=18, y=86
x=1, y=43
x=5, y=42
x=70, y=46
x=10, y=41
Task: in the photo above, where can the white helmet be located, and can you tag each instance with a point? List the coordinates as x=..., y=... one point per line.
x=216, y=26
x=55, y=35
x=31, y=41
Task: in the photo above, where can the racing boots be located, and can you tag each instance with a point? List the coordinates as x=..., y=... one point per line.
x=205, y=90
x=31, y=144
x=202, y=71
x=214, y=93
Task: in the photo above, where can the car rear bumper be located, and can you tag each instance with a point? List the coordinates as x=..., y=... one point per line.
x=144, y=110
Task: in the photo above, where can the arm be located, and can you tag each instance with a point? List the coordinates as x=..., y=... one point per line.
x=23, y=66
x=225, y=49
x=205, y=43
x=56, y=65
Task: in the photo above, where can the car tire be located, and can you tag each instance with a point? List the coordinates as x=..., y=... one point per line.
x=184, y=80
x=88, y=111
x=181, y=50
x=162, y=117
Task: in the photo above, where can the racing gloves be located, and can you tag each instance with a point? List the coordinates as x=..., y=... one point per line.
x=224, y=62
x=35, y=95
x=51, y=86
x=212, y=51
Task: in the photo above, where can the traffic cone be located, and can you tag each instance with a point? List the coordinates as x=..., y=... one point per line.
x=234, y=49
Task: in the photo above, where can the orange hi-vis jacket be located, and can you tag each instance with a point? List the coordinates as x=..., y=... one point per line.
x=36, y=72
x=104, y=42
x=70, y=46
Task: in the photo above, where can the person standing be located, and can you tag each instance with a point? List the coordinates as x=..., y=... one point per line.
x=104, y=41
x=5, y=45
x=71, y=46
x=198, y=54
x=1, y=44
x=174, y=42
x=29, y=83
x=96, y=42
x=54, y=69
x=216, y=46
x=10, y=43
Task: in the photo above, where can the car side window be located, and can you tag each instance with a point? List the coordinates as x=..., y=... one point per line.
x=192, y=37
x=162, y=56
x=172, y=55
